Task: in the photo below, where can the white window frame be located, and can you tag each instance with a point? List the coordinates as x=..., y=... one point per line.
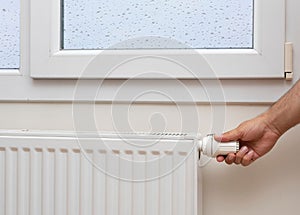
x=266, y=60
x=19, y=86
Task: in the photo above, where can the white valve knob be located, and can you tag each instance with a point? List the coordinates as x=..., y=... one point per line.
x=210, y=147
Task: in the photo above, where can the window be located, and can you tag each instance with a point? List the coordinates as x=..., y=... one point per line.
x=200, y=24
x=9, y=34
x=78, y=31
x=49, y=50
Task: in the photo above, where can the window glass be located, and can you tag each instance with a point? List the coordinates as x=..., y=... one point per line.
x=199, y=24
x=10, y=34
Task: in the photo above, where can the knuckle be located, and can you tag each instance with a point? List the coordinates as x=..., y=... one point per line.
x=247, y=163
x=228, y=162
x=240, y=128
x=239, y=157
x=246, y=159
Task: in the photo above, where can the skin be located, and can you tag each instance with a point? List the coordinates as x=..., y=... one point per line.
x=259, y=135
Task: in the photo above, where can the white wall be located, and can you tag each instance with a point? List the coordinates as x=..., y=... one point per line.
x=270, y=186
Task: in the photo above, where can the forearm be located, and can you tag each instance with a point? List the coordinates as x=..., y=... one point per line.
x=285, y=113
x=258, y=136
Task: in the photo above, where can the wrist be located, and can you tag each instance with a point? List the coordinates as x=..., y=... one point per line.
x=272, y=122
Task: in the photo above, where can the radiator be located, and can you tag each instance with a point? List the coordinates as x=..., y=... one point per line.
x=66, y=174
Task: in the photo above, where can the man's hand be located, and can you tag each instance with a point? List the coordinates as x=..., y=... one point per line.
x=257, y=137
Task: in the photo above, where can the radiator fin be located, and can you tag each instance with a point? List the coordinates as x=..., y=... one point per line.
x=47, y=179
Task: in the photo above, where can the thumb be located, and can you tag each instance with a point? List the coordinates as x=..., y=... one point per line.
x=232, y=135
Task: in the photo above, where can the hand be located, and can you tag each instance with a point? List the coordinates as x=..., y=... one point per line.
x=257, y=137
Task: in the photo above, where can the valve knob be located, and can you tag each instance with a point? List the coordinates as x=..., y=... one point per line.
x=210, y=147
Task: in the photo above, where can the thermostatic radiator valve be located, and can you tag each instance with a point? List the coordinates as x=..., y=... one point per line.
x=211, y=148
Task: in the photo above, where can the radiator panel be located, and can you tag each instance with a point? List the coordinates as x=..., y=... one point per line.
x=50, y=175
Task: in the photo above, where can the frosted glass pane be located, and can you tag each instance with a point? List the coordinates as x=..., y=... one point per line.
x=9, y=34
x=98, y=24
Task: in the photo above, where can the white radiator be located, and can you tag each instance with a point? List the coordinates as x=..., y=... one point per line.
x=59, y=174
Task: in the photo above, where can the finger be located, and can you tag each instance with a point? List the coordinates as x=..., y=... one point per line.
x=229, y=136
x=220, y=158
x=218, y=138
x=230, y=158
x=248, y=158
x=241, y=154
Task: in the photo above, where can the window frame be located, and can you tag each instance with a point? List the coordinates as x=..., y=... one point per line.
x=266, y=60
x=21, y=87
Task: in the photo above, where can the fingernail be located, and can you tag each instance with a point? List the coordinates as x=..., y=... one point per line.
x=244, y=149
